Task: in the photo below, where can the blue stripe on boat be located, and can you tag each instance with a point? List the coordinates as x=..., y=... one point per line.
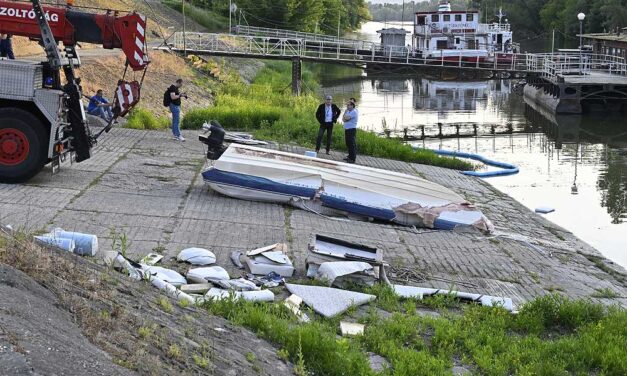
x=257, y=183
x=443, y=224
x=351, y=207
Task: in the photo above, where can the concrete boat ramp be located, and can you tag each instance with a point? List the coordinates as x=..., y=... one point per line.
x=147, y=188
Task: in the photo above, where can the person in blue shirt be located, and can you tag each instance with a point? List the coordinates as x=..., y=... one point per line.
x=350, y=118
x=100, y=107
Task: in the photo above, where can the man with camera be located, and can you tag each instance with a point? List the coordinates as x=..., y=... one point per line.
x=174, y=95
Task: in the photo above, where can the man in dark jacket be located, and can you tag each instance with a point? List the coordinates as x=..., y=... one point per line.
x=326, y=115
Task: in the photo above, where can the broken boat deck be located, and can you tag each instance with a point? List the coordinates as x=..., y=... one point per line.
x=143, y=184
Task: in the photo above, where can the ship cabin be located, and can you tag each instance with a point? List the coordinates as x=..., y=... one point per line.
x=457, y=31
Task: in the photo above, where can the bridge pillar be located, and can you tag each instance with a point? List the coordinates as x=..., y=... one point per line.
x=297, y=75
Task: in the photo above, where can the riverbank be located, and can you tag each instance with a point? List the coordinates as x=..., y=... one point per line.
x=147, y=187
x=267, y=108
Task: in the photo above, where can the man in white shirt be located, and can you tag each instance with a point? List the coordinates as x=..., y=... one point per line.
x=350, y=118
x=326, y=115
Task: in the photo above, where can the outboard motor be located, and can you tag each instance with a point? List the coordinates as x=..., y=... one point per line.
x=213, y=138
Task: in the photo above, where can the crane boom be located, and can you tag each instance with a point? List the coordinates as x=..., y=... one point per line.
x=72, y=26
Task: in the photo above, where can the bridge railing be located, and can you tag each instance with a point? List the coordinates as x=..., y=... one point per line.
x=291, y=34
x=254, y=46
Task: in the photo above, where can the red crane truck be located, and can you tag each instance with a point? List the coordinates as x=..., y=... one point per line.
x=42, y=118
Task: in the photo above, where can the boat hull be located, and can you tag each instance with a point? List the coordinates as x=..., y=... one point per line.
x=329, y=187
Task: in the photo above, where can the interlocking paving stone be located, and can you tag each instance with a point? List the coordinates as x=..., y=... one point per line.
x=146, y=186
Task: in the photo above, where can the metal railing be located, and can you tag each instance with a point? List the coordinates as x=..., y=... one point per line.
x=562, y=64
x=319, y=50
x=291, y=34
x=550, y=66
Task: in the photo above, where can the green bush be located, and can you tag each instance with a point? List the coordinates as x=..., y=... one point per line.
x=140, y=118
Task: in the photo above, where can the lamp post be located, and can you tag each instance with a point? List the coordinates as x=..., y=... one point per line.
x=581, y=17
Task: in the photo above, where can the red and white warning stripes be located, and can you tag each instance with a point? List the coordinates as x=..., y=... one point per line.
x=140, y=41
x=126, y=96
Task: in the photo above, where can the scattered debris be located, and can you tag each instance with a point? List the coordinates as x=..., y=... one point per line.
x=235, y=257
x=276, y=256
x=208, y=274
x=240, y=284
x=196, y=288
x=293, y=303
x=485, y=300
x=405, y=274
x=329, y=301
x=197, y=256
x=336, y=252
x=545, y=210
x=261, y=250
x=151, y=259
x=269, y=280
x=166, y=275
x=273, y=258
x=63, y=244
x=76, y=242
x=86, y=244
x=252, y=296
x=311, y=154
x=171, y=290
x=351, y=328
x=339, y=272
x=121, y=263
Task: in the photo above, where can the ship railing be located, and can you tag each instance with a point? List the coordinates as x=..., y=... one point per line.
x=492, y=27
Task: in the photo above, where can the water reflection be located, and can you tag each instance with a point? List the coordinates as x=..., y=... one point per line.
x=576, y=164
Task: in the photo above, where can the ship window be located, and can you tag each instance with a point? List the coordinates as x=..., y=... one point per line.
x=470, y=17
x=458, y=18
x=435, y=18
x=457, y=40
x=447, y=18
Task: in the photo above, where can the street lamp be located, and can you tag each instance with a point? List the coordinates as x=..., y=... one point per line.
x=581, y=17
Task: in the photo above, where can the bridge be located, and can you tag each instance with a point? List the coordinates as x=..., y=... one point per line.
x=264, y=43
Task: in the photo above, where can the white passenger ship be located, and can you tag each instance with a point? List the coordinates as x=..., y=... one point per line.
x=458, y=35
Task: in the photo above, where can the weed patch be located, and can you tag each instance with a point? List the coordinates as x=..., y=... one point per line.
x=140, y=118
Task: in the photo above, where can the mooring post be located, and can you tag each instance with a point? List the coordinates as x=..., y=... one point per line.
x=296, y=75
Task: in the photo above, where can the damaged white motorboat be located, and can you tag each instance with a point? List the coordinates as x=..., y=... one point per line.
x=332, y=188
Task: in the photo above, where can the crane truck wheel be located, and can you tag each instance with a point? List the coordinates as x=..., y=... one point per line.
x=23, y=152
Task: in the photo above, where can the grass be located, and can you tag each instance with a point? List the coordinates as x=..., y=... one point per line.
x=551, y=335
x=140, y=118
x=269, y=110
x=204, y=17
x=165, y=305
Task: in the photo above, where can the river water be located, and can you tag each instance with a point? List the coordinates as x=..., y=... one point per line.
x=574, y=164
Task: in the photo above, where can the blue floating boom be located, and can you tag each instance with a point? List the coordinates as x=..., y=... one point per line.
x=507, y=169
